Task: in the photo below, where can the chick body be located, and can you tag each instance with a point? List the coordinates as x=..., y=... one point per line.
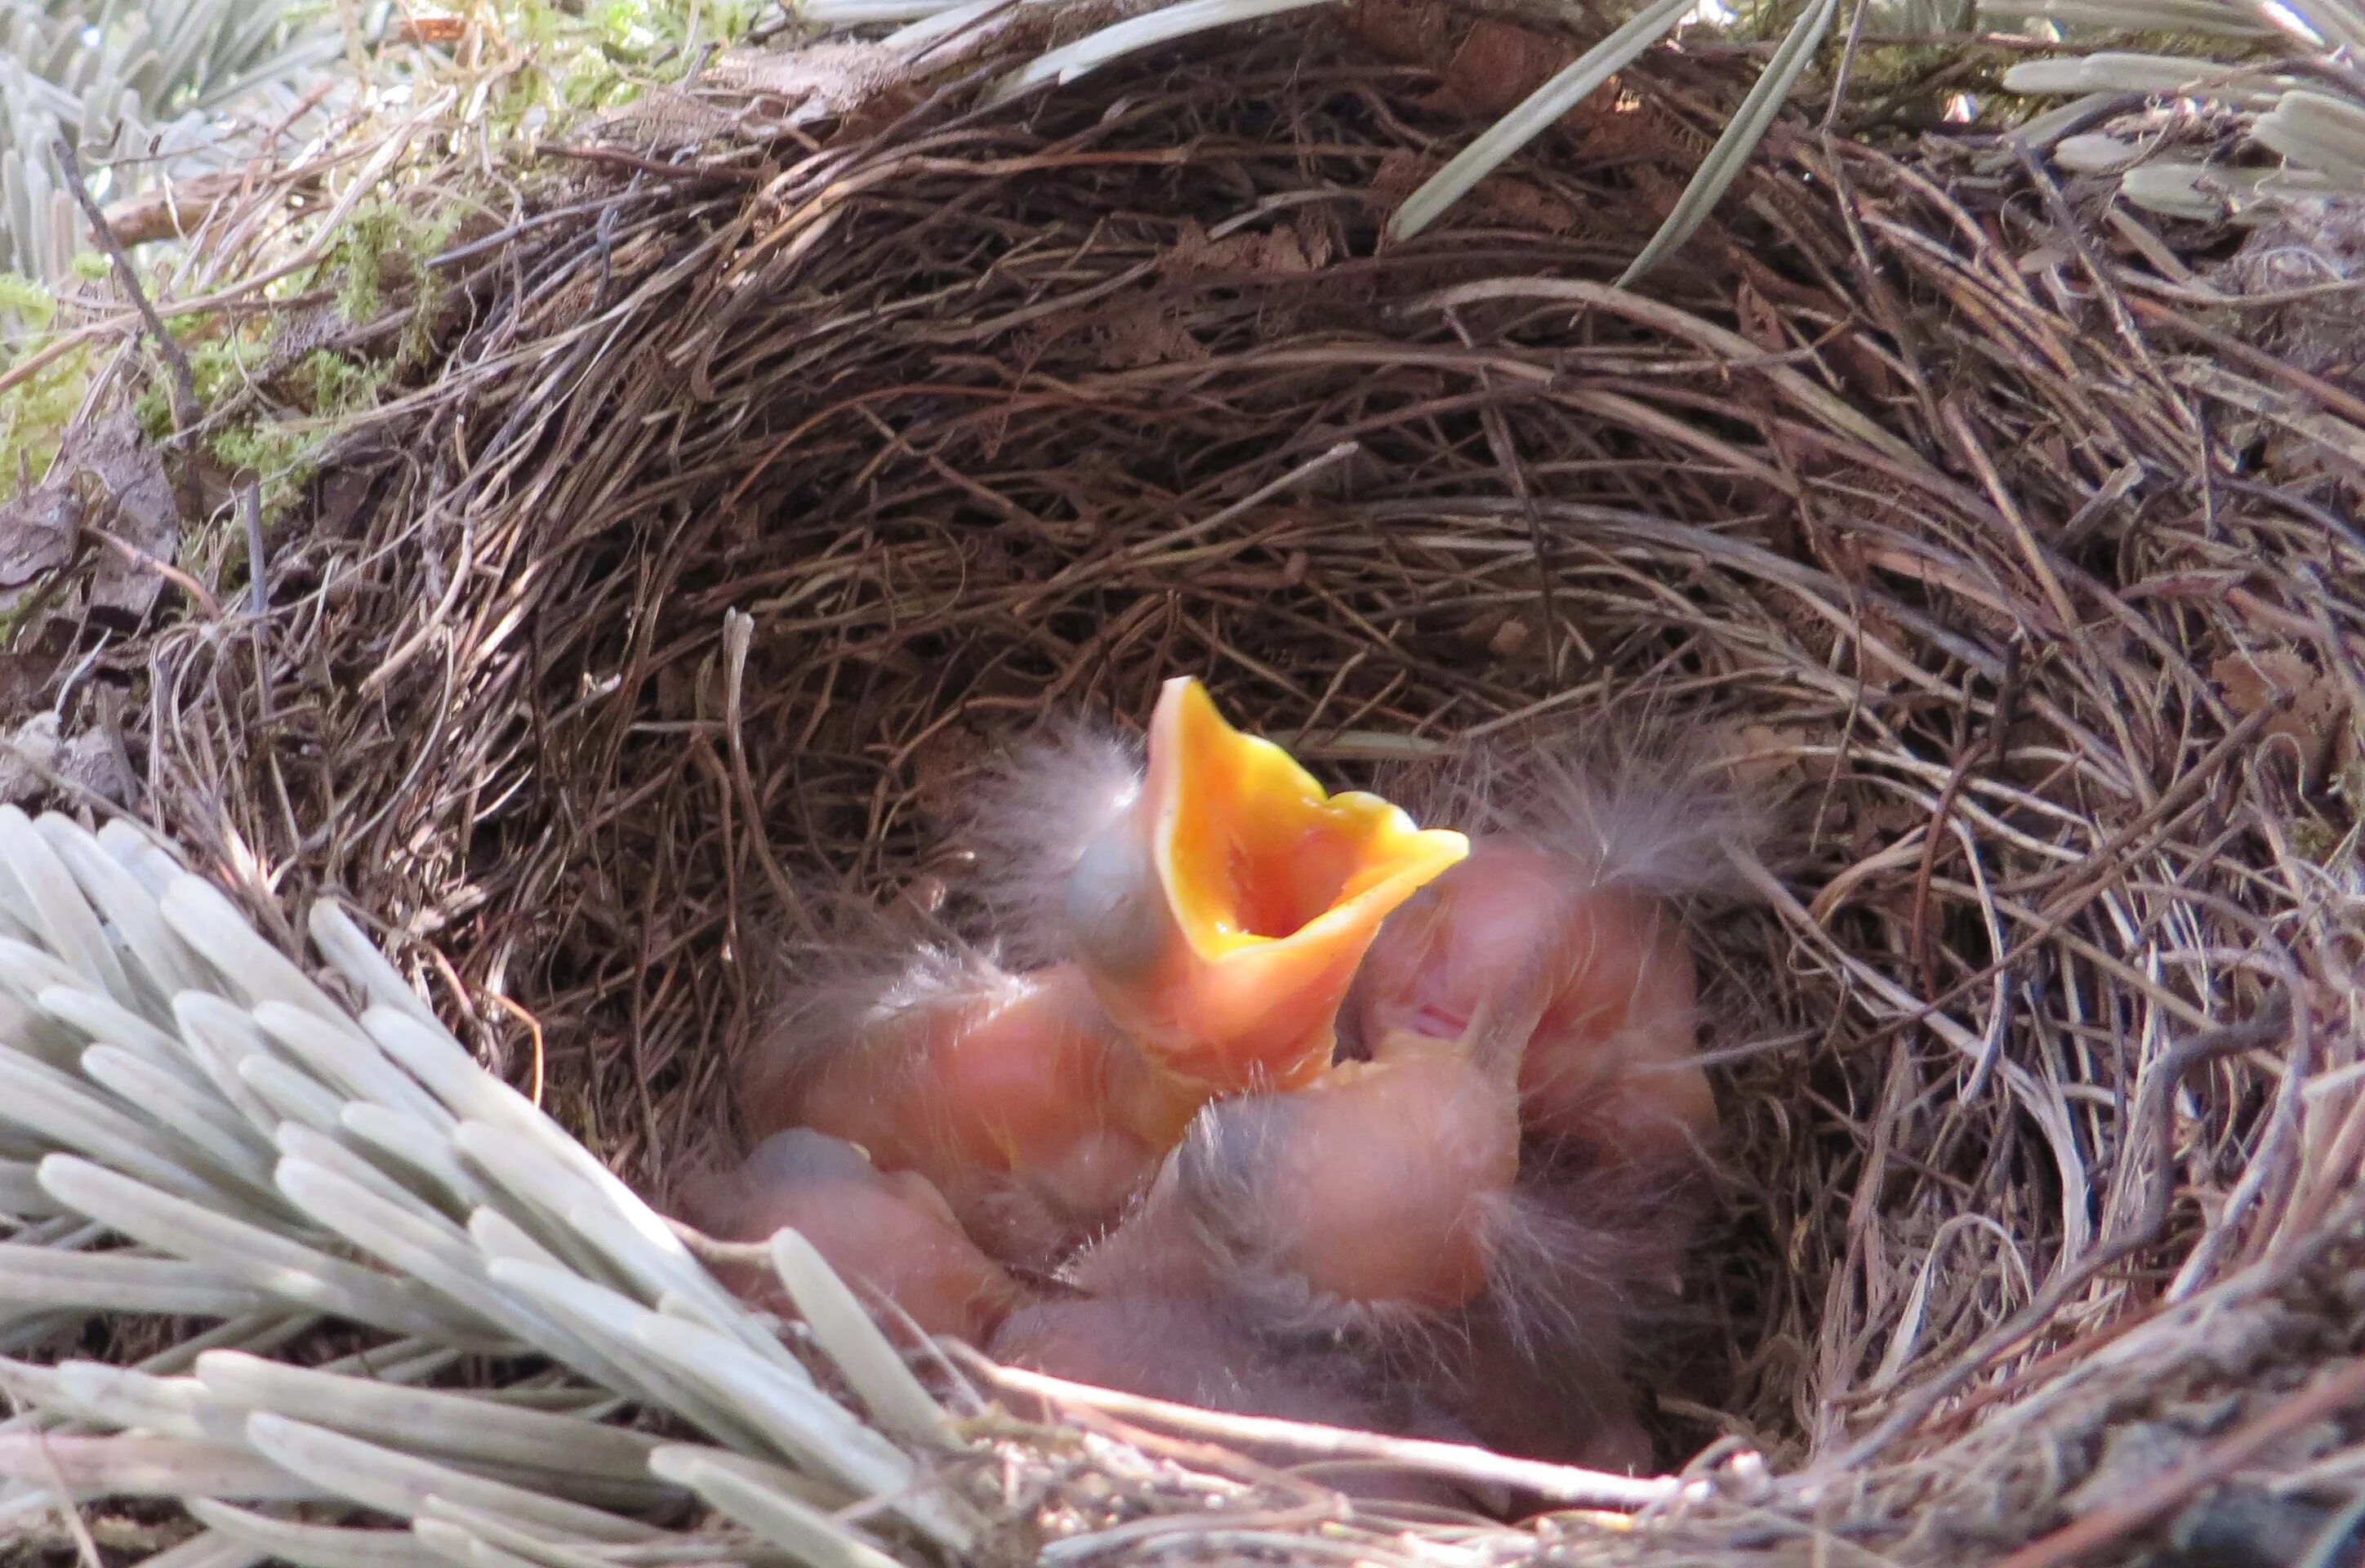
x=1160, y=1312
x=1377, y=1188
x=1379, y=1183
x=1357, y=1254
x=1013, y=1095
x=892, y=1232
x=1611, y=1061
x=1453, y=1235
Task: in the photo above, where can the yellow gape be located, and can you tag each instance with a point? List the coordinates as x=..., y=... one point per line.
x=1223, y=918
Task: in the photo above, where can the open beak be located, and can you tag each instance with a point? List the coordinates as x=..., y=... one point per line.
x=1259, y=893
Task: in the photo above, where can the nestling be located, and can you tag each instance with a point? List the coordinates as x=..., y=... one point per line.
x=1312, y=1111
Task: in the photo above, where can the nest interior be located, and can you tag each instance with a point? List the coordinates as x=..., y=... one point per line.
x=766, y=476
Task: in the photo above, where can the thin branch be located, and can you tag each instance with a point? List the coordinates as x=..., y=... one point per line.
x=186, y=410
x=1562, y=1483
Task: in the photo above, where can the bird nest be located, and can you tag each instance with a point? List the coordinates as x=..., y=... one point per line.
x=757, y=461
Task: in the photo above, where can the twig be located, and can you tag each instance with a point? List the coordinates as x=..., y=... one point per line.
x=1987, y=748
x=737, y=629
x=186, y=410
x=165, y=569
x=1560, y=1482
x=249, y=493
x=2103, y=1527
x=68, y=1509
x=533, y=1032
x=2333, y=399
x=2152, y=1118
x=697, y=174
x=250, y=513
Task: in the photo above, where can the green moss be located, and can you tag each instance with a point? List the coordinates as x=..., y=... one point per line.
x=417, y=344
x=282, y=448
x=154, y=410
x=381, y=239
x=221, y=366
x=32, y=305
x=33, y=413
x=282, y=454
x=2319, y=841
x=218, y=367
x=356, y=266
x=579, y=56
x=339, y=386
x=607, y=52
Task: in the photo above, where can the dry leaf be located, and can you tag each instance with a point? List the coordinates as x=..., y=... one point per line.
x=1399, y=174
x=39, y=747
x=1766, y=753
x=36, y=537
x=347, y=491
x=173, y=209
x=1643, y=135
x=2253, y=679
x=825, y=78
x=1143, y=334
x=1501, y=199
x=1485, y=71
x=27, y=672
x=1498, y=65
x=1517, y=204
x=141, y=511
x=431, y=29
x=670, y=120
x=1285, y=251
x=943, y=766
x=108, y=478
x=1413, y=34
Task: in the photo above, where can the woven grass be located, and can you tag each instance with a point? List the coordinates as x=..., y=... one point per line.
x=766, y=469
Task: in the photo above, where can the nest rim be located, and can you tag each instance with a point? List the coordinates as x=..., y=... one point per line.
x=1849, y=530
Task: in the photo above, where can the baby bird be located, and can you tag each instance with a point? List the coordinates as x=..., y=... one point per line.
x=1220, y=902
x=1381, y=1183
x=1569, y=894
x=1372, y=1193
x=1216, y=906
x=1315, y=1112
x=1611, y=1061
x=1013, y=1094
x=1192, y=1300
x=892, y=1234
x=1359, y=1252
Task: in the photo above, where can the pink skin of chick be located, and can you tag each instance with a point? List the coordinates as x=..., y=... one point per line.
x=1013, y=1094
x=1355, y=1253
x=889, y=1233
x=1612, y=1061
x=1566, y=897
x=1162, y=1308
x=1385, y=1199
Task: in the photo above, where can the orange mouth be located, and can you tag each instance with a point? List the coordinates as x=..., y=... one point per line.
x=1267, y=892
